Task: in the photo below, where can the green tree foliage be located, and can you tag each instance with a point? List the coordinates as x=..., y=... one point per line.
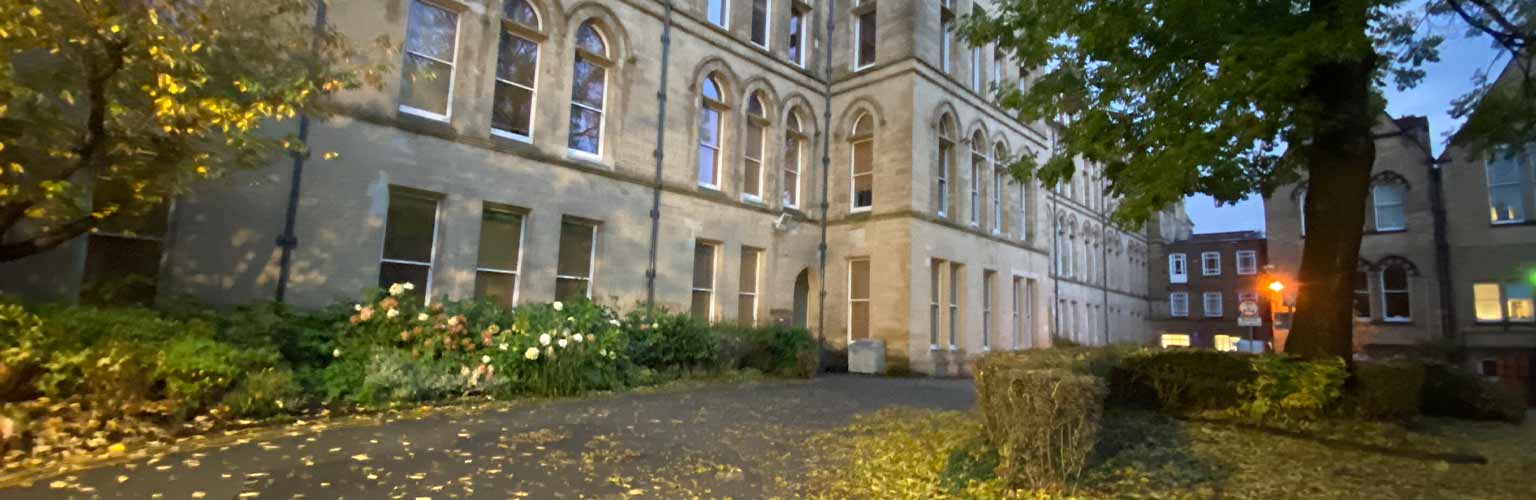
x=109, y=107
x=1500, y=108
x=1177, y=97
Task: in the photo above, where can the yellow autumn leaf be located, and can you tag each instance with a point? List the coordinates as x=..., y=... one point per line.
x=117, y=448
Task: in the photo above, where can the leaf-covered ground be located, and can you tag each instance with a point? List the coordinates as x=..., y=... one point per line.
x=744, y=440
x=904, y=454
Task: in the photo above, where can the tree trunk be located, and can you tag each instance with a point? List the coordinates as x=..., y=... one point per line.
x=1338, y=161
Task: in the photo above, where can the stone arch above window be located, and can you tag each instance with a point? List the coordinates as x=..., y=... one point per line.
x=798, y=106
x=523, y=13
x=1398, y=262
x=1389, y=178
x=862, y=107
x=600, y=18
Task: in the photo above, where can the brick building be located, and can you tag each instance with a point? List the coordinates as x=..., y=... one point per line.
x=1205, y=277
x=524, y=171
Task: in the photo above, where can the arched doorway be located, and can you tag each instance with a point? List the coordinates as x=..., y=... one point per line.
x=797, y=317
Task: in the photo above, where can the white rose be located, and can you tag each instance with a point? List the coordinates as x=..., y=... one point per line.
x=577, y=338
x=392, y=313
x=409, y=286
x=531, y=354
x=559, y=306
x=336, y=353
x=357, y=307
x=503, y=346
x=544, y=339
x=453, y=321
x=396, y=289
x=485, y=360
x=562, y=343
x=613, y=322
x=602, y=352
x=422, y=317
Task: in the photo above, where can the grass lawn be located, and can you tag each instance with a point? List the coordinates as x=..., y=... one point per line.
x=912, y=454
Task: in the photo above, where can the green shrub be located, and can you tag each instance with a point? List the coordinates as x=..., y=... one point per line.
x=1043, y=422
x=670, y=342
x=1183, y=380
x=560, y=349
x=1095, y=361
x=1292, y=389
x=972, y=461
x=1452, y=392
x=773, y=349
x=197, y=371
x=396, y=376
x=1389, y=390
x=265, y=393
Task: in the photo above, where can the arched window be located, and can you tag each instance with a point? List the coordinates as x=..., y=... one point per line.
x=794, y=158
x=588, y=89
x=978, y=174
x=1387, y=197
x=517, y=69
x=711, y=115
x=1396, y=298
x=944, y=171
x=999, y=155
x=862, y=171
x=752, y=167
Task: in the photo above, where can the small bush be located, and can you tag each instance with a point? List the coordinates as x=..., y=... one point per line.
x=1095, y=361
x=1292, y=389
x=1043, y=422
x=670, y=342
x=1452, y=392
x=396, y=376
x=1182, y=381
x=1390, y=390
x=972, y=461
x=774, y=349
x=266, y=393
x=197, y=371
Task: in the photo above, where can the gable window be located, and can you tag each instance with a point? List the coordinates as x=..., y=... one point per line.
x=1394, y=293
x=703, y=304
x=1506, y=187
x=500, y=254
x=864, y=34
x=588, y=89
x=746, y=299
x=862, y=171
x=1247, y=262
x=711, y=109
x=1212, y=304
x=946, y=164
x=1387, y=199
x=431, y=41
x=752, y=167
x=1210, y=264
x=1178, y=304
x=1178, y=268
x=794, y=158
x=947, y=35
x=717, y=11
x=760, y=23
x=517, y=68
x=858, y=299
x=410, y=240
x=1362, y=300
x=573, y=271
x=799, y=44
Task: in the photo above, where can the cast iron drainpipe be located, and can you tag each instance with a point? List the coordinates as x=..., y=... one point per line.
x=826, y=162
x=288, y=241
x=661, y=133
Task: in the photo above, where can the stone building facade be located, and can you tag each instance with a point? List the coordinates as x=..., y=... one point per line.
x=514, y=158
x=1205, y=278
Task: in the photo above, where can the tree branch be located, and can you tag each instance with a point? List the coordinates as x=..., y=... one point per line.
x=46, y=241
x=1510, y=36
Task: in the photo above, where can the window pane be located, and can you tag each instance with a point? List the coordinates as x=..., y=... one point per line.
x=703, y=266
x=415, y=274
x=866, y=38
x=707, y=159
x=1486, y=297
x=699, y=306
x=716, y=12
x=575, y=250
x=426, y=83
x=748, y=278
x=1518, y=298
x=586, y=129
x=1506, y=203
x=1362, y=297
x=521, y=12
x=570, y=289
x=858, y=279
x=588, y=39
x=709, y=127
x=431, y=32
x=1397, y=305
x=746, y=309
x=500, y=235
x=859, y=320
x=791, y=171
x=1395, y=279
x=1503, y=169
x=495, y=287
x=795, y=23
x=760, y=22
x=513, y=110
x=589, y=79
x=409, y=228
x=518, y=60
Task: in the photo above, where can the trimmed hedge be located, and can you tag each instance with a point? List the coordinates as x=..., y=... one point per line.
x=1391, y=390
x=1044, y=422
x=1452, y=392
x=1182, y=381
